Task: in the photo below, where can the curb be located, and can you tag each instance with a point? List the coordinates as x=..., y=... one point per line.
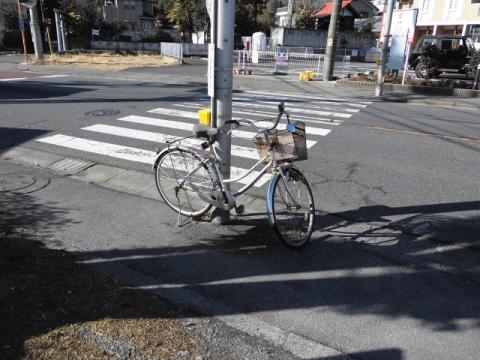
x=412, y=89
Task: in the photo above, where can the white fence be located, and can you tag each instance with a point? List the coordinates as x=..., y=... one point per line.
x=278, y=62
x=285, y=62
x=174, y=50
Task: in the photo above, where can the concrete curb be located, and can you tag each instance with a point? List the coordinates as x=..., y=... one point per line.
x=412, y=89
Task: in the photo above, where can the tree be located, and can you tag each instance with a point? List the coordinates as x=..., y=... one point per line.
x=266, y=19
x=247, y=16
x=473, y=63
x=81, y=17
x=304, y=19
x=186, y=15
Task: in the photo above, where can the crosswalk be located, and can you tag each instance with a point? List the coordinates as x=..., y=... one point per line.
x=175, y=121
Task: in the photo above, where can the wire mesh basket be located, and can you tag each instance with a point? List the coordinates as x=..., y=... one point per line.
x=286, y=146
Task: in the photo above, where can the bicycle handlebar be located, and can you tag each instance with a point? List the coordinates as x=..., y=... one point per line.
x=281, y=111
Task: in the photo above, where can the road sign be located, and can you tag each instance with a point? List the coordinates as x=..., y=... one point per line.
x=95, y=32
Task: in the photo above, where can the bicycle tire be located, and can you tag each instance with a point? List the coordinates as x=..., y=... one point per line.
x=294, y=226
x=185, y=200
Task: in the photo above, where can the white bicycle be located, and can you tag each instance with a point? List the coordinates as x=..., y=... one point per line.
x=189, y=181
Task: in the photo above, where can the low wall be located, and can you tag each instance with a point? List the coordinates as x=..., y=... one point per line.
x=188, y=49
x=128, y=46
x=318, y=39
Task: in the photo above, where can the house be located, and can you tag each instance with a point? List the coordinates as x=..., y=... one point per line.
x=350, y=10
x=438, y=17
x=452, y=17
x=138, y=16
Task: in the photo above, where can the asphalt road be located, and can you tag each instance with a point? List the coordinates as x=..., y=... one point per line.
x=410, y=171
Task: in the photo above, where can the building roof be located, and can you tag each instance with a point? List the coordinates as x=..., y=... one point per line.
x=328, y=8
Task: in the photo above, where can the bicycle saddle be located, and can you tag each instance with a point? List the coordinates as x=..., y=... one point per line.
x=204, y=131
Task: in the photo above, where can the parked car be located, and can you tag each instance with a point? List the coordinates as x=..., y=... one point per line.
x=434, y=54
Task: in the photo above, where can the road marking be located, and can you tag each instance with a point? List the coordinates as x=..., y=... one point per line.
x=261, y=124
x=291, y=106
x=132, y=154
x=302, y=97
x=14, y=79
x=33, y=77
x=331, y=122
x=53, y=76
x=178, y=125
x=293, y=109
x=238, y=151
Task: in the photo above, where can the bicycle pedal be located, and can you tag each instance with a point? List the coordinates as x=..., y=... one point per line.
x=240, y=209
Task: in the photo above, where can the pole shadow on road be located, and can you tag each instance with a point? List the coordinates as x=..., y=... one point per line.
x=35, y=92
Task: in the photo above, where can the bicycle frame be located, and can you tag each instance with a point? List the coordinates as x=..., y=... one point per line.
x=229, y=198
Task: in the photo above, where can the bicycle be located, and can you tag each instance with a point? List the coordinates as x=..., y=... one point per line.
x=189, y=181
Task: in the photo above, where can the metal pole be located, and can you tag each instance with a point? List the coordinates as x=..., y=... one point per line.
x=59, y=35
x=223, y=88
x=477, y=78
x=62, y=32
x=331, y=42
x=118, y=27
x=405, y=67
x=383, y=59
x=22, y=30
x=213, y=40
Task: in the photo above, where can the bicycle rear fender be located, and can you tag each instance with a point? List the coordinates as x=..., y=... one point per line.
x=187, y=147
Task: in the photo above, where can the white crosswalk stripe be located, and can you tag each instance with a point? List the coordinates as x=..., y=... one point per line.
x=248, y=135
x=239, y=151
x=315, y=120
x=175, y=121
x=132, y=154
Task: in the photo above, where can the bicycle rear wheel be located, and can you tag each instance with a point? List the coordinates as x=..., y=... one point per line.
x=184, y=182
x=291, y=208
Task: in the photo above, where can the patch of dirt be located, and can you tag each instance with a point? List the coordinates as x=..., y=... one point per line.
x=54, y=307
x=108, y=61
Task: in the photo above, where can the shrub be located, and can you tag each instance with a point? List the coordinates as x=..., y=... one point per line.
x=472, y=65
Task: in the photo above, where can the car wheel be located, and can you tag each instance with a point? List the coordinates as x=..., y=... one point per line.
x=424, y=71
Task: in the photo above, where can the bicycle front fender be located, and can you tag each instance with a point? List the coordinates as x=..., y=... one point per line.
x=271, y=189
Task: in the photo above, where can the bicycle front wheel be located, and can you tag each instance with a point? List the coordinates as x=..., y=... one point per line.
x=291, y=208
x=184, y=182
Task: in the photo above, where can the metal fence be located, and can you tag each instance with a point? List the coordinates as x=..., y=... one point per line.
x=174, y=50
x=277, y=62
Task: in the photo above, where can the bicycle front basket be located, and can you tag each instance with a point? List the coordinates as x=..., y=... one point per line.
x=286, y=146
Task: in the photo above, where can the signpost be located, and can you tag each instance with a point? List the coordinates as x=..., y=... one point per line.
x=403, y=33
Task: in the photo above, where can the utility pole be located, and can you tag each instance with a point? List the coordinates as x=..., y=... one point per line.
x=31, y=5
x=47, y=27
x=383, y=58
x=289, y=14
x=331, y=42
x=222, y=16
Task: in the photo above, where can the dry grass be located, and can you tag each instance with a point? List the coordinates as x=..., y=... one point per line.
x=108, y=61
x=48, y=300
